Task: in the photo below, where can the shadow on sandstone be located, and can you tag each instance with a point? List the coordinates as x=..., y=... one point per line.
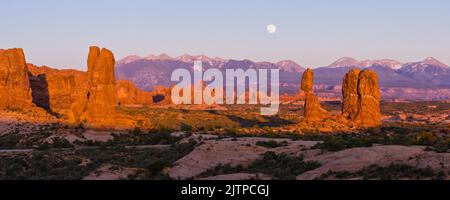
x=40, y=92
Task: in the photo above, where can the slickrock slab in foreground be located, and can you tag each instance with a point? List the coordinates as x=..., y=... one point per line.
x=353, y=160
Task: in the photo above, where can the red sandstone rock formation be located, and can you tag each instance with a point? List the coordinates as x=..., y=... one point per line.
x=15, y=89
x=56, y=90
x=361, y=98
x=101, y=102
x=97, y=104
x=313, y=110
x=350, y=94
x=307, y=81
x=161, y=95
x=369, y=99
x=128, y=94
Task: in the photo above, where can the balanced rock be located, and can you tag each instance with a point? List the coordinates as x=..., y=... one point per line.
x=15, y=89
x=313, y=110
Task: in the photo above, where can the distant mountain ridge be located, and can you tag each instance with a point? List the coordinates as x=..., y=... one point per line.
x=156, y=70
x=428, y=74
x=351, y=62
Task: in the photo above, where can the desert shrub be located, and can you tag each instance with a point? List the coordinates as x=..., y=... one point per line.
x=391, y=172
x=406, y=140
x=42, y=165
x=10, y=140
x=44, y=146
x=343, y=142
x=223, y=169
x=90, y=143
x=271, y=144
x=161, y=138
x=436, y=140
x=61, y=143
x=155, y=167
x=282, y=166
x=152, y=162
x=232, y=131
x=186, y=127
x=137, y=137
x=426, y=138
x=441, y=146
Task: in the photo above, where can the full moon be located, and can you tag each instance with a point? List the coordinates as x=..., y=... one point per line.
x=271, y=29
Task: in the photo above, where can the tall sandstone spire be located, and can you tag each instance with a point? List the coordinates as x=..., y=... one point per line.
x=313, y=110
x=15, y=91
x=101, y=84
x=361, y=98
x=97, y=105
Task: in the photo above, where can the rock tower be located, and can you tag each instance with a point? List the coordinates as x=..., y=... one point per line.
x=361, y=98
x=313, y=110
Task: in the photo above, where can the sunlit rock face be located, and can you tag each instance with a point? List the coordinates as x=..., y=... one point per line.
x=128, y=94
x=101, y=82
x=350, y=94
x=97, y=104
x=361, y=98
x=369, y=99
x=15, y=89
x=56, y=90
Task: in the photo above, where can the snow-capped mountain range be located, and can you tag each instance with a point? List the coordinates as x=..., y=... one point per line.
x=429, y=74
x=351, y=62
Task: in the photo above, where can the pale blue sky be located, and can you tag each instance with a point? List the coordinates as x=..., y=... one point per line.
x=315, y=33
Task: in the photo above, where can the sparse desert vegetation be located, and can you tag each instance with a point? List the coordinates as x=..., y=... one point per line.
x=275, y=146
x=391, y=172
x=278, y=166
